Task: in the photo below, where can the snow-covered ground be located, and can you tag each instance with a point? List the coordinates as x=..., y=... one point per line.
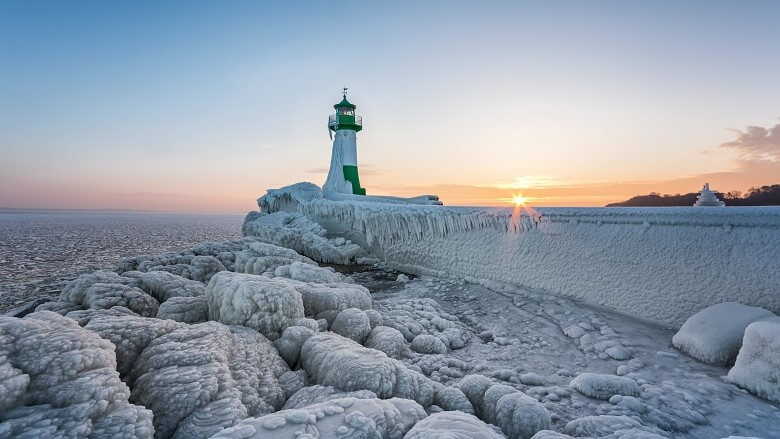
x=261, y=338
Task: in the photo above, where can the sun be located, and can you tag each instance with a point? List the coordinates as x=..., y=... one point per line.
x=519, y=200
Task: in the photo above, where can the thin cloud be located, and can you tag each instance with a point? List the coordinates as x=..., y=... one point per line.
x=757, y=143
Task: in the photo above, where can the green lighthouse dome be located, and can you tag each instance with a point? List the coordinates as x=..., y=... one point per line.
x=345, y=117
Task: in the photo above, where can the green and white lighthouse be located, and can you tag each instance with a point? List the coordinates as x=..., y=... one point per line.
x=344, y=125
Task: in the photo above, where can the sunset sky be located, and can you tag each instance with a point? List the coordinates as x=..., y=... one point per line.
x=201, y=106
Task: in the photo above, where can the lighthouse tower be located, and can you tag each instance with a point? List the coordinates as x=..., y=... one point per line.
x=343, y=174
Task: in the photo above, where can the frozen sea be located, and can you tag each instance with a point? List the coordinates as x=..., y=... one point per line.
x=39, y=252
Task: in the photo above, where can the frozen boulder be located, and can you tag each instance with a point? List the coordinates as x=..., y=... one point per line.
x=103, y=290
x=262, y=257
x=352, y=323
x=290, y=343
x=83, y=316
x=474, y=387
x=428, y=344
x=266, y=305
x=521, y=416
x=347, y=418
x=197, y=379
x=453, y=425
x=374, y=317
x=199, y=268
x=490, y=400
x=386, y=339
x=310, y=273
x=308, y=323
x=602, y=386
x=318, y=298
x=60, y=380
x=598, y=426
x=452, y=398
x=332, y=360
x=714, y=334
x=316, y=394
x=186, y=309
x=296, y=231
x=163, y=285
x=757, y=368
x=292, y=382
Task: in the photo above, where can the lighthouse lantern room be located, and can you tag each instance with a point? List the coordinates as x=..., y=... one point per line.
x=343, y=126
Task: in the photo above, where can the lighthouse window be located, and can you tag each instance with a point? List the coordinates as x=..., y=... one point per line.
x=347, y=111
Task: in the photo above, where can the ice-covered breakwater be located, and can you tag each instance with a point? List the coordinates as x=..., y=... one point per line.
x=664, y=264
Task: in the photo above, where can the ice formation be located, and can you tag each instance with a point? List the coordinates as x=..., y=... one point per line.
x=346, y=417
x=332, y=360
x=296, y=232
x=184, y=309
x=386, y=339
x=714, y=334
x=103, y=290
x=602, y=386
x=316, y=394
x=266, y=305
x=352, y=323
x=197, y=379
x=757, y=368
x=453, y=425
x=428, y=344
x=60, y=380
x=606, y=256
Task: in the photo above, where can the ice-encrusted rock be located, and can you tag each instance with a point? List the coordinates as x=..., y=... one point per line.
x=163, y=285
x=295, y=231
x=103, y=290
x=318, y=298
x=374, y=317
x=602, y=386
x=348, y=418
x=386, y=339
x=199, y=268
x=474, y=387
x=83, y=316
x=60, y=380
x=292, y=382
x=262, y=257
x=288, y=198
x=316, y=394
x=352, y=323
x=290, y=342
x=452, y=398
x=186, y=309
x=311, y=273
x=266, y=305
x=598, y=426
x=757, y=368
x=714, y=334
x=521, y=416
x=428, y=344
x=308, y=323
x=333, y=360
x=197, y=379
x=490, y=400
x=413, y=317
x=453, y=425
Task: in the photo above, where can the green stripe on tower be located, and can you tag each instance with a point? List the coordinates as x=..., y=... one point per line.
x=351, y=175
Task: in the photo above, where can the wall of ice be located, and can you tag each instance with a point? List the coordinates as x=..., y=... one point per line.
x=664, y=264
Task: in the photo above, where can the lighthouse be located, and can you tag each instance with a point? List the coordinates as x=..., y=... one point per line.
x=343, y=126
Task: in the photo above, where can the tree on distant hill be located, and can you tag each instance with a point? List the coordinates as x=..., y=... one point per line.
x=756, y=196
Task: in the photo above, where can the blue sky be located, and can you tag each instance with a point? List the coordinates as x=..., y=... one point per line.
x=203, y=105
